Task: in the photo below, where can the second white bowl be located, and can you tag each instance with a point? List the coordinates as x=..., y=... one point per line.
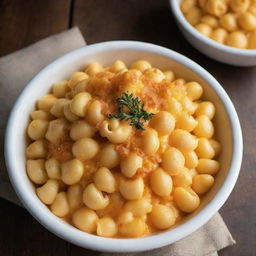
x=214, y=50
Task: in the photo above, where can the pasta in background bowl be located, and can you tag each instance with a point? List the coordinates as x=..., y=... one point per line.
x=225, y=121
x=209, y=47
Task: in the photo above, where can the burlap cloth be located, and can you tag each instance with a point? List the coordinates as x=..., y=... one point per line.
x=17, y=69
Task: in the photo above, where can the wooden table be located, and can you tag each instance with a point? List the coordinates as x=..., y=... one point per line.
x=23, y=22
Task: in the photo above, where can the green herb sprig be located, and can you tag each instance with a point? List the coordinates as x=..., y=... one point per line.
x=136, y=114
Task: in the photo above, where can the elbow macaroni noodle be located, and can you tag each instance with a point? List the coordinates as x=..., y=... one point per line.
x=229, y=22
x=105, y=177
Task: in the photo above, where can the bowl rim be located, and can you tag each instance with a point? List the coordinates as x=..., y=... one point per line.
x=75, y=236
x=175, y=7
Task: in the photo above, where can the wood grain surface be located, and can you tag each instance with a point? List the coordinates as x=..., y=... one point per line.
x=23, y=22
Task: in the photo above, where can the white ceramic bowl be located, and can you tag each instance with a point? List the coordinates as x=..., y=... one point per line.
x=214, y=50
x=106, y=53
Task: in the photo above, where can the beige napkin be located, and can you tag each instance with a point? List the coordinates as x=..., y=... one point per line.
x=17, y=69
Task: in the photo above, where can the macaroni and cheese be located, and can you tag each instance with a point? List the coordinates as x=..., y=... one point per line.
x=122, y=152
x=229, y=22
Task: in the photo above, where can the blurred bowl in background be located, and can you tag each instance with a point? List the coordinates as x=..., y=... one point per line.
x=214, y=50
